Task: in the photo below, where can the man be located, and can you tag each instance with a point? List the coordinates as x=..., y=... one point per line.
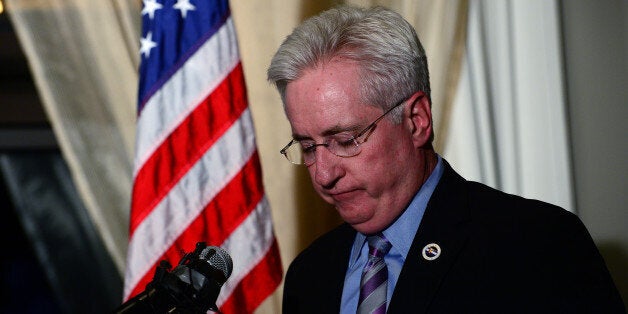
x=418, y=237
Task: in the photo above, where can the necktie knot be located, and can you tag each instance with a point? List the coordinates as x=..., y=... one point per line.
x=378, y=245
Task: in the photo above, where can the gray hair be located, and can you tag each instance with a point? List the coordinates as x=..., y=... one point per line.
x=384, y=45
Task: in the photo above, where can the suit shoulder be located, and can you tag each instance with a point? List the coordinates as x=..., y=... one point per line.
x=334, y=240
x=498, y=203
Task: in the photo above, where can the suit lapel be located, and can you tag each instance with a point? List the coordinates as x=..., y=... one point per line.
x=444, y=224
x=336, y=268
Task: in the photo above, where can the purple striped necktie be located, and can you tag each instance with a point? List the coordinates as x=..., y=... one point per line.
x=374, y=281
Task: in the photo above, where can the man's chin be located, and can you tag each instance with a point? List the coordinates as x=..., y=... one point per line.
x=351, y=215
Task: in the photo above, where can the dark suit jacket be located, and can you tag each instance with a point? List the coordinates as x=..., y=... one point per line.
x=500, y=254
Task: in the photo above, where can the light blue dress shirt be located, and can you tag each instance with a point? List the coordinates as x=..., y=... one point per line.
x=400, y=234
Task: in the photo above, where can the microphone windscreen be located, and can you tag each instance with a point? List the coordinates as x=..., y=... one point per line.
x=219, y=259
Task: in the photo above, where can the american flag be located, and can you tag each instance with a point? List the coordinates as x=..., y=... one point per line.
x=197, y=172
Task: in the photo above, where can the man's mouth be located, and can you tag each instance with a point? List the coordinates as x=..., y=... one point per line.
x=344, y=195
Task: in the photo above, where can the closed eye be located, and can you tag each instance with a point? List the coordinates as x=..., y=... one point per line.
x=347, y=143
x=308, y=147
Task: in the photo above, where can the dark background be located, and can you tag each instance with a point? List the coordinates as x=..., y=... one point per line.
x=52, y=259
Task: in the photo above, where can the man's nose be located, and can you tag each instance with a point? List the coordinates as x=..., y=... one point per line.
x=328, y=169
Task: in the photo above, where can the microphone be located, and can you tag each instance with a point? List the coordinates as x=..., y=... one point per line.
x=191, y=287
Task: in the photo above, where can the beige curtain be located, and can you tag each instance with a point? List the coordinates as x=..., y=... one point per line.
x=502, y=134
x=84, y=57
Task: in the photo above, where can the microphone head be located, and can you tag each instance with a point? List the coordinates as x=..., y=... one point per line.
x=191, y=287
x=218, y=259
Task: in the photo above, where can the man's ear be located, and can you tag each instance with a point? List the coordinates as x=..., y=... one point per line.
x=420, y=120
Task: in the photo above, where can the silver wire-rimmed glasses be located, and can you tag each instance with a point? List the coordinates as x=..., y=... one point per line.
x=303, y=152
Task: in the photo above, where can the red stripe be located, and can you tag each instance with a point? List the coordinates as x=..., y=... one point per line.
x=231, y=206
x=187, y=144
x=258, y=284
x=220, y=217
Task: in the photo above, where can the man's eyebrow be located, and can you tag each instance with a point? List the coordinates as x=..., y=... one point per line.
x=339, y=129
x=329, y=132
x=299, y=138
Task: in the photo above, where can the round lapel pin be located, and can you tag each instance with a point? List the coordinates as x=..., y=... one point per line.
x=431, y=251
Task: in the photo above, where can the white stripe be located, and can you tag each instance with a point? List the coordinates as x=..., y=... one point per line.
x=186, y=200
x=247, y=245
x=190, y=85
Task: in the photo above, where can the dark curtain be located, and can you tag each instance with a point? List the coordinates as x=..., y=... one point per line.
x=59, y=263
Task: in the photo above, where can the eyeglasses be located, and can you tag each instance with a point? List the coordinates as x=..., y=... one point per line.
x=304, y=152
